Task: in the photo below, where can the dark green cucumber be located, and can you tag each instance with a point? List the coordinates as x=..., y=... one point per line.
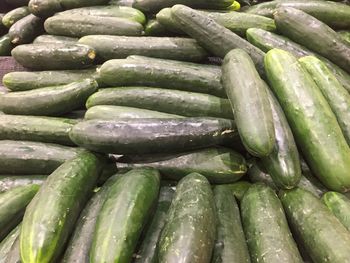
x=265, y=226
x=218, y=165
x=147, y=252
x=77, y=25
x=5, y=45
x=184, y=103
x=8, y=182
x=257, y=174
x=345, y=35
x=154, y=28
x=311, y=119
x=339, y=205
x=268, y=40
x=165, y=18
x=48, y=101
x=213, y=36
x=6, y=243
x=239, y=188
x=12, y=206
x=123, y=215
x=107, y=112
x=53, y=56
x=14, y=15
x=249, y=99
x=114, y=47
x=153, y=135
x=230, y=243
x=20, y=157
x=54, y=210
x=336, y=95
x=312, y=33
x=189, y=232
x=26, y=29
x=159, y=73
x=323, y=236
x=43, y=39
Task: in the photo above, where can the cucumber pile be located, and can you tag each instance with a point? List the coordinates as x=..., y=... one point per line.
x=175, y=131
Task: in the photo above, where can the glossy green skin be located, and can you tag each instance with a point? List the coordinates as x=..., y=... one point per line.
x=218, y=165
x=345, y=35
x=230, y=244
x=123, y=215
x=311, y=119
x=52, y=213
x=323, y=236
x=265, y=225
x=159, y=73
x=249, y=100
x=147, y=252
x=6, y=243
x=239, y=188
x=50, y=101
x=336, y=95
x=154, y=28
x=268, y=40
x=5, y=45
x=184, y=103
x=339, y=205
x=189, y=232
x=312, y=33
x=12, y=205
x=14, y=15
x=213, y=36
x=25, y=30
x=152, y=135
x=54, y=39
x=8, y=182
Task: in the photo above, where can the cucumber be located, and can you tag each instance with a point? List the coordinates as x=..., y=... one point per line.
x=239, y=188
x=162, y=73
x=54, y=210
x=54, y=56
x=311, y=119
x=12, y=206
x=20, y=157
x=14, y=15
x=257, y=174
x=265, y=226
x=43, y=39
x=147, y=252
x=76, y=25
x=3, y=28
x=339, y=205
x=184, y=103
x=268, y=40
x=312, y=33
x=336, y=95
x=5, y=45
x=249, y=99
x=123, y=214
x=345, y=35
x=323, y=236
x=165, y=18
x=230, y=243
x=106, y=112
x=25, y=30
x=6, y=243
x=8, y=182
x=153, y=135
x=154, y=28
x=48, y=101
x=218, y=165
x=31, y=128
x=114, y=47
x=213, y=36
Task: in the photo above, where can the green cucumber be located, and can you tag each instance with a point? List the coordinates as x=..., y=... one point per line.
x=26, y=29
x=162, y=73
x=107, y=112
x=165, y=18
x=77, y=25
x=218, y=165
x=8, y=182
x=43, y=39
x=184, y=103
x=268, y=40
x=114, y=47
x=153, y=135
x=14, y=15
x=249, y=99
x=336, y=95
x=323, y=236
x=12, y=206
x=345, y=35
x=20, y=157
x=311, y=119
x=54, y=56
x=257, y=174
x=123, y=215
x=54, y=210
x=147, y=252
x=265, y=225
x=3, y=28
x=230, y=244
x=5, y=45
x=48, y=101
x=6, y=243
x=239, y=188
x=312, y=33
x=339, y=205
x=154, y=28
x=213, y=36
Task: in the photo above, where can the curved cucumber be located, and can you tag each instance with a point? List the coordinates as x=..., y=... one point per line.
x=54, y=39
x=14, y=15
x=6, y=243
x=26, y=29
x=339, y=205
x=5, y=45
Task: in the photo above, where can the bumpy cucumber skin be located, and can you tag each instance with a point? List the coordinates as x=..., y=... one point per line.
x=339, y=205
x=26, y=29
x=189, y=232
x=123, y=215
x=54, y=39
x=265, y=225
x=14, y=15
x=311, y=119
x=8, y=182
x=6, y=243
x=323, y=236
x=5, y=45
